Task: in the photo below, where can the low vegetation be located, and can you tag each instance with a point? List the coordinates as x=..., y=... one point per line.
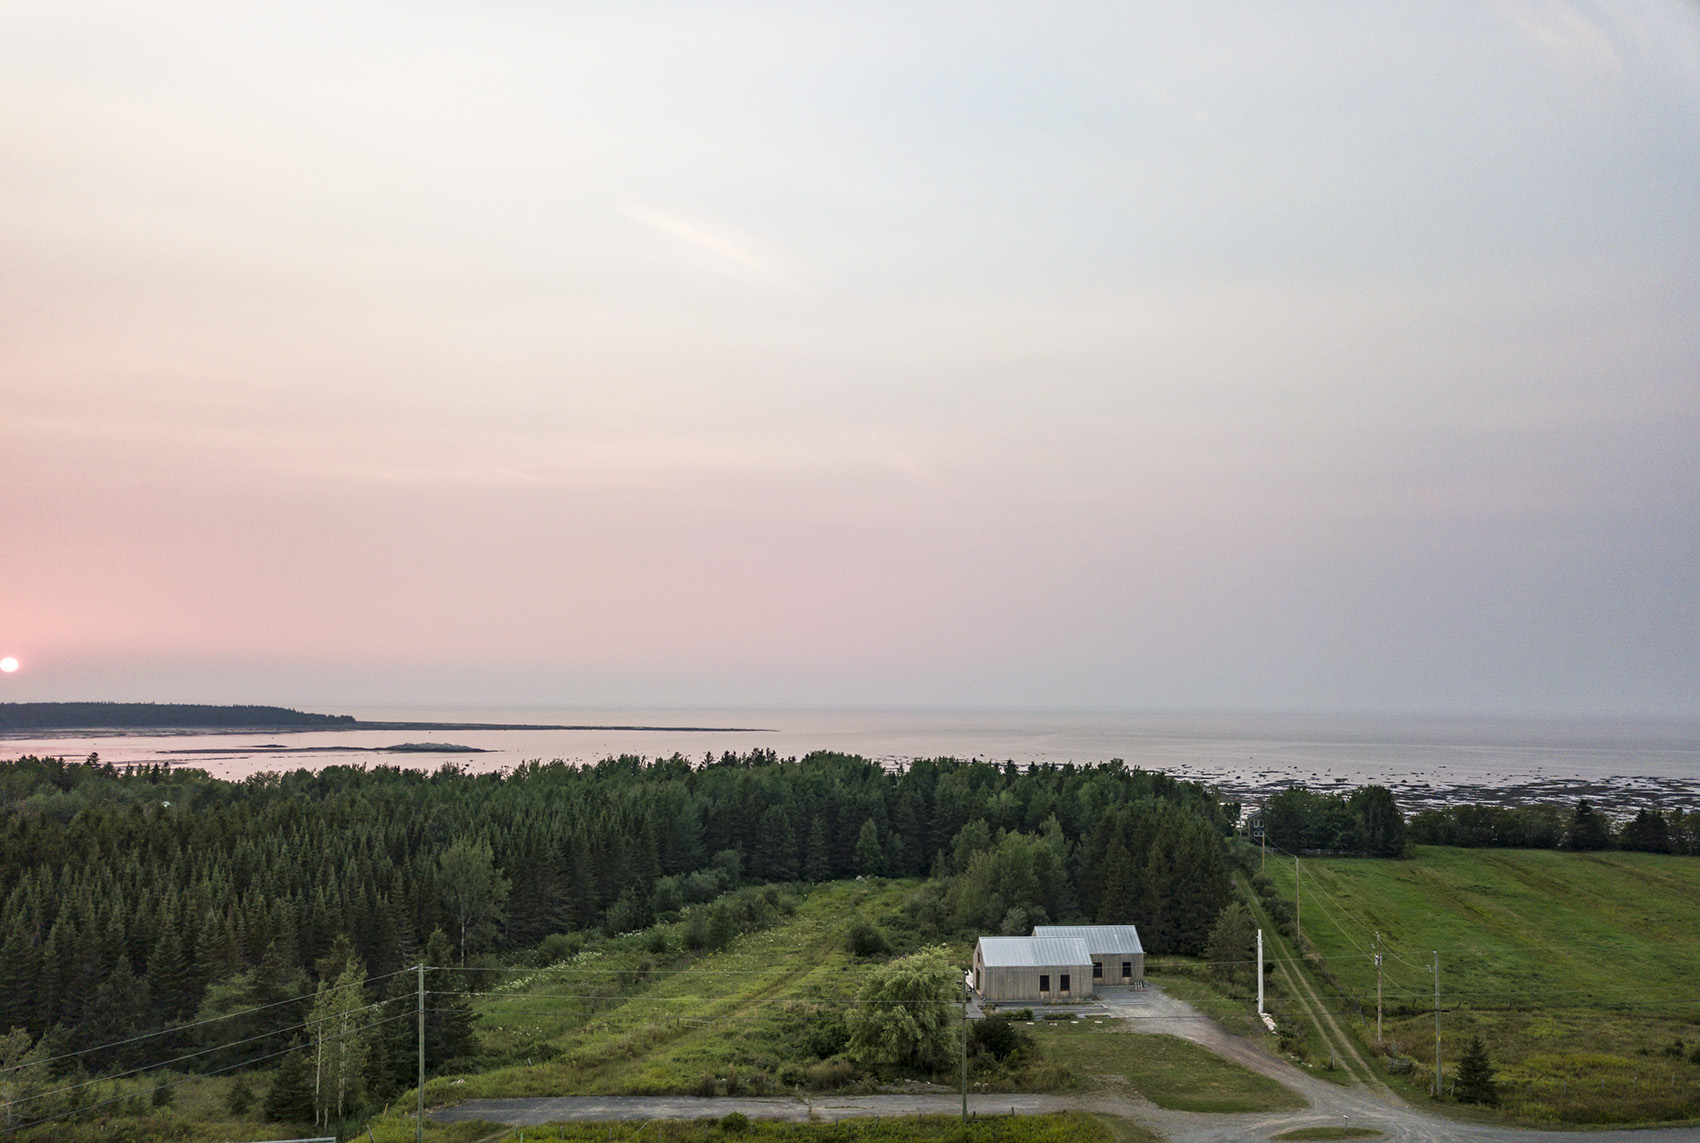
x=1170, y=1072
x=1068, y=1127
x=1577, y=971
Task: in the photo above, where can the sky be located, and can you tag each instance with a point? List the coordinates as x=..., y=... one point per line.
x=1204, y=356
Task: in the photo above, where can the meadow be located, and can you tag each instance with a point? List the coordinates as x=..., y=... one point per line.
x=1069, y=1127
x=1170, y=1072
x=764, y=1016
x=1579, y=971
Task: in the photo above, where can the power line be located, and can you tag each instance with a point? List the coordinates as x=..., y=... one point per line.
x=205, y=1051
x=200, y=1023
x=205, y=1075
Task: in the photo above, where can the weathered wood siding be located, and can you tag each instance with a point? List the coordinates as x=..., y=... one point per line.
x=1020, y=984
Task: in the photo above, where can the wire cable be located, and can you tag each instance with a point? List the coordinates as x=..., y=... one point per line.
x=204, y=1075
x=204, y=1051
x=208, y=1020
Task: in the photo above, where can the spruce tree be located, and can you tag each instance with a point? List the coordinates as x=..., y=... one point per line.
x=869, y=856
x=448, y=1011
x=240, y=1101
x=1475, y=1076
x=169, y=977
x=290, y=1099
x=817, y=865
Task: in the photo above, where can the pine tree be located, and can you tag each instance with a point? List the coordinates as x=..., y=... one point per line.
x=1229, y=950
x=817, y=864
x=390, y=1067
x=448, y=1011
x=1475, y=1076
x=290, y=1099
x=169, y=977
x=240, y=1101
x=869, y=856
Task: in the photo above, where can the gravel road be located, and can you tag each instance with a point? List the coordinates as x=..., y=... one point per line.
x=1148, y=1011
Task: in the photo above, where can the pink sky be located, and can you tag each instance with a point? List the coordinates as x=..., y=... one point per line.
x=750, y=355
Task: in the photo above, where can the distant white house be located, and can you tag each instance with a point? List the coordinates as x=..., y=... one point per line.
x=1057, y=964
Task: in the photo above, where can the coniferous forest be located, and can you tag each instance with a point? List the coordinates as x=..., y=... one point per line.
x=153, y=897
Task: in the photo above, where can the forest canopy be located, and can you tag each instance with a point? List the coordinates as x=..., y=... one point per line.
x=137, y=898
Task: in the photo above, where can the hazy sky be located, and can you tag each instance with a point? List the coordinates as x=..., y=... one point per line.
x=1222, y=356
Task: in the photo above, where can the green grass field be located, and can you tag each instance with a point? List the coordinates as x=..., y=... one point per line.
x=1070, y=1127
x=1167, y=1070
x=737, y=1021
x=620, y=1019
x=1581, y=972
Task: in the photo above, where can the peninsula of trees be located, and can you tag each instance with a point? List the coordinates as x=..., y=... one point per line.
x=27, y=716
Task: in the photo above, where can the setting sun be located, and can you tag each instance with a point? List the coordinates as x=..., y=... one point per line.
x=8, y=664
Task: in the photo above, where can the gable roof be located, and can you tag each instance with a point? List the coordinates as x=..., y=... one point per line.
x=1101, y=940
x=1034, y=952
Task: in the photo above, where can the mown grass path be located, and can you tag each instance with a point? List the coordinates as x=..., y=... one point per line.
x=724, y=1015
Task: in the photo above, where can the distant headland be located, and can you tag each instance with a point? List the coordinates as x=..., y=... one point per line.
x=16, y=717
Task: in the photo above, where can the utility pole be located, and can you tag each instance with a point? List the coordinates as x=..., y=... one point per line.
x=1378, y=989
x=421, y=1135
x=964, y=1049
x=1437, y=1088
x=1260, y=972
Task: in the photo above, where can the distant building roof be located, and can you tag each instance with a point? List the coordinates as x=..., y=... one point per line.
x=1101, y=940
x=1034, y=952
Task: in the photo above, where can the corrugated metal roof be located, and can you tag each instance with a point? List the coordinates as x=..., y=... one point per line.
x=1101, y=940
x=1033, y=952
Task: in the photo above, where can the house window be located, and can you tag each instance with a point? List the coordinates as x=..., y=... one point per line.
x=1097, y=969
x=1065, y=982
x=1044, y=982
x=1127, y=969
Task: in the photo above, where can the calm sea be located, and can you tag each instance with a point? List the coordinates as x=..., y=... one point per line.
x=1623, y=763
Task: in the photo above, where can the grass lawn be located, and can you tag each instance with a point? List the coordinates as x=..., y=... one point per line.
x=1580, y=972
x=1167, y=1070
x=1069, y=1127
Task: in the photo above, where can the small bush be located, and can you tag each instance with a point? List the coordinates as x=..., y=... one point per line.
x=164, y=1095
x=708, y=1086
x=735, y=1122
x=866, y=940
x=829, y=1075
x=554, y=948
x=999, y=1037
x=827, y=1035
x=241, y=1098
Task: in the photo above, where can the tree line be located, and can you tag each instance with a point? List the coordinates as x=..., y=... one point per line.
x=1578, y=826
x=137, y=898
